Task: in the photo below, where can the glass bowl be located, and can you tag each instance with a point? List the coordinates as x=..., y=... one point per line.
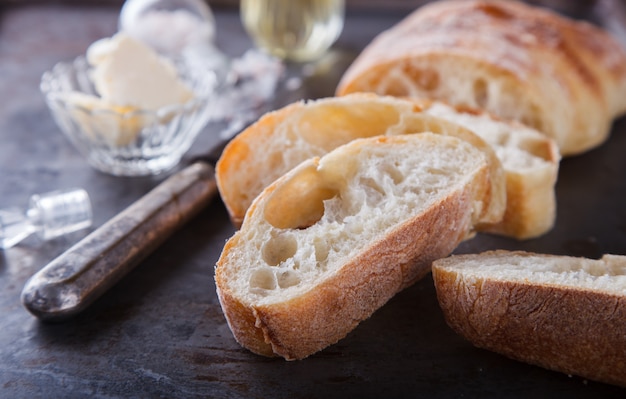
x=124, y=141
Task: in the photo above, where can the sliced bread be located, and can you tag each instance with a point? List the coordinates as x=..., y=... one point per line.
x=282, y=139
x=530, y=161
x=331, y=241
x=563, y=313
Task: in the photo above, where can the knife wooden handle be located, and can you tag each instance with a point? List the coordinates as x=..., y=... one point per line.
x=76, y=278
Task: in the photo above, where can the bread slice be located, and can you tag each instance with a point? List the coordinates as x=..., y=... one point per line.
x=564, y=78
x=562, y=313
x=282, y=139
x=335, y=238
x=530, y=161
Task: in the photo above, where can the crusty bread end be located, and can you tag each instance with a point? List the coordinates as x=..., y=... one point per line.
x=563, y=313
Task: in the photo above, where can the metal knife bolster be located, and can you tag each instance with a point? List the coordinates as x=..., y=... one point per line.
x=76, y=278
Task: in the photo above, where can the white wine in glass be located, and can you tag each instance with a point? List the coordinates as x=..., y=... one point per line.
x=295, y=30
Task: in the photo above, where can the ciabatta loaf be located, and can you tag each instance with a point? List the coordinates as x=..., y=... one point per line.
x=562, y=313
x=282, y=139
x=335, y=238
x=564, y=78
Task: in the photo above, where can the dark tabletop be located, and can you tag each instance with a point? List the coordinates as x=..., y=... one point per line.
x=160, y=332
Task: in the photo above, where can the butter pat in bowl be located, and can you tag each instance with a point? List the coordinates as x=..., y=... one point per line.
x=129, y=111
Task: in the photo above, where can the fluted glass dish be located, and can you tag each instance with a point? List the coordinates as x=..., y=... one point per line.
x=120, y=140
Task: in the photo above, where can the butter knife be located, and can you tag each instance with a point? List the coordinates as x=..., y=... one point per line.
x=79, y=276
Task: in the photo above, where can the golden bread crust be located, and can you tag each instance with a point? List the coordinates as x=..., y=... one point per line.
x=236, y=152
x=562, y=77
x=563, y=328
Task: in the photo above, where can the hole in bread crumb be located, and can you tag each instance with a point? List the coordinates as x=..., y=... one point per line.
x=321, y=250
x=263, y=279
x=278, y=249
x=501, y=137
x=298, y=202
x=373, y=195
x=374, y=190
x=288, y=279
x=533, y=118
x=427, y=79
x=438, y=171
x=481, y=95
x=391, y=170
x=396, y=88
x=434, y=179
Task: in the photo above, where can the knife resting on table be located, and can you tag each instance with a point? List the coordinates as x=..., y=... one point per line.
x=79, y=276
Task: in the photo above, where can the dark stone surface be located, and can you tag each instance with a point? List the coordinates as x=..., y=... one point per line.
x=160, y=331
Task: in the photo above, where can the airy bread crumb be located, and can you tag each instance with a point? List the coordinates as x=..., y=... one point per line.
x=331, y=241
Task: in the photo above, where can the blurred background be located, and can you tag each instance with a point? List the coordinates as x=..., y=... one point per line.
x=568, y=6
